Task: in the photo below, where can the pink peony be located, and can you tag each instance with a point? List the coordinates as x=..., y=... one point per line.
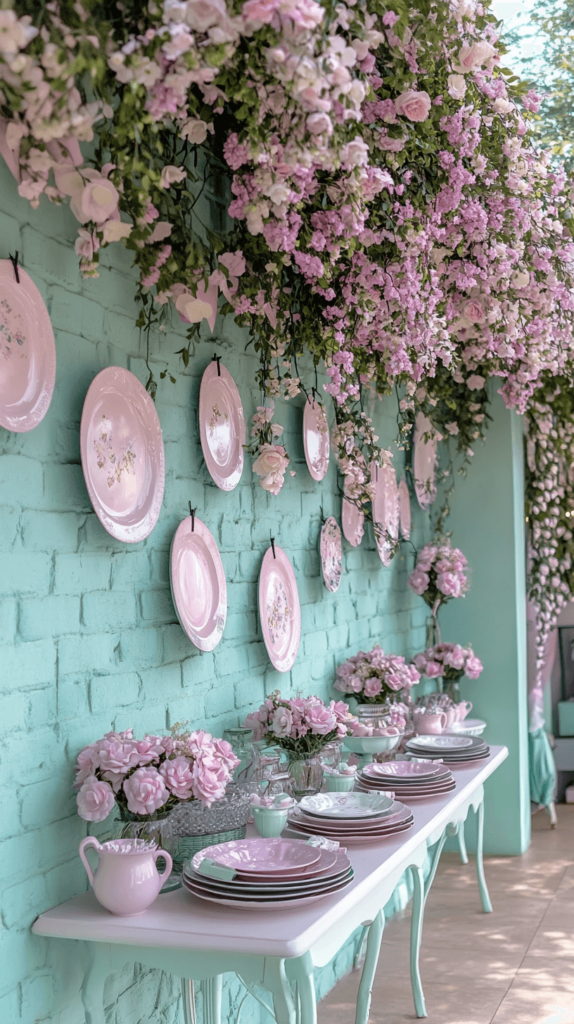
x=474, y=312
x=253, y=721
x=320, y=719
x=413, y=105
x=177, y=776
x=450, y=584
x=146, y=791
x=372, y=687
x=473, y=666
x=97, y=201
x=116, y=758
x=282, y=722
x=95, y=800
x=418, y=581
x=260, y=11
x=86, y=763
x=209, y=779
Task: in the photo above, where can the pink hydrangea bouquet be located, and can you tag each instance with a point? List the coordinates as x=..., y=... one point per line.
x=302, y=725
x=439, y=575
x=374, y=676
x=146, y=778
x=451, y=661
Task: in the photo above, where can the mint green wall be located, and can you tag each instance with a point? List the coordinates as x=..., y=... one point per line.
x=487, y=522
x=88, y=636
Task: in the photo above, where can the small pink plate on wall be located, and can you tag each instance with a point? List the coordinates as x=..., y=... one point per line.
x=198, y=585
x=279, y=609
x=316, y=438
x=27, y=352
x=221, y=426
x=122, y=454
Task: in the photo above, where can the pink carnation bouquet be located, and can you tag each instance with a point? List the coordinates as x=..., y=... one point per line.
x=451, y=661
x=147, y=778
x=303, y=725
x=439, y=575
x=374, y=676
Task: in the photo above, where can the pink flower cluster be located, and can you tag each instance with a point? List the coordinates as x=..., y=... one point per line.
x=440, y=574
x=299, y=723
x=449, y=660
x=373, y=676
x=150, y=776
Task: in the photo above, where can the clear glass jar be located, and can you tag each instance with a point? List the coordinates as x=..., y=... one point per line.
x=241, y=742
x=306, y=771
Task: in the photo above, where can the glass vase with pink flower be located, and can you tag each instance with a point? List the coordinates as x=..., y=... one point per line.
x=303, y=727
x=449, y=662
x=145, y=780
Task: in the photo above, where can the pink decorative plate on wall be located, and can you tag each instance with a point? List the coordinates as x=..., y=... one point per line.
x=331, y=554
x=316, y=438
x=221, y=426
x=353, y=522
x=27, y=352
x=198, y=585
x=424, y=463
x=279, y=609
x=122, y=454
x=386, y=511
x=404, y=509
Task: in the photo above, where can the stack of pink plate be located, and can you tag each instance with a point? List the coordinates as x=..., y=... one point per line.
x=454, y=750
x=410, y=780
x=351, y=818
x=266, y=874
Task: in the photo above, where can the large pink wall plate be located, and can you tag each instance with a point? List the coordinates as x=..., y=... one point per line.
x=386, y=511
x=316, y=438
x=221, y=426
x=404, y=509
x=27, y=352
x=424, y=462
x=198, y=585
x=279, y=609
x=122, y=454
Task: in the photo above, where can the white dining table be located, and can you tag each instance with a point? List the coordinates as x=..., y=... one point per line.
x=274, y=953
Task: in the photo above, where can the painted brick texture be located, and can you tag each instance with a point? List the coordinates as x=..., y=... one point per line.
x=89, y=639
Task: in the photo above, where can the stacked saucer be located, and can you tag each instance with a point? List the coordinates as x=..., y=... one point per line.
x=266, y=874
x=351, y=818
x=409, y=779
x=453, y=750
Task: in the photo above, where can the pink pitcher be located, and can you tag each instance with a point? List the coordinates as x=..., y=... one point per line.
x=429, y=722
x=126, y=881
x=463, y=709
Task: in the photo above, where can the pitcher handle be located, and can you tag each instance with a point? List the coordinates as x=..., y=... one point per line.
x=168, y=863
x=87, y=842
x=444, y=720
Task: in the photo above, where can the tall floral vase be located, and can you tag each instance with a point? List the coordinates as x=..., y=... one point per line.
x=159, y=829
x=306, y=771
x=452, y=688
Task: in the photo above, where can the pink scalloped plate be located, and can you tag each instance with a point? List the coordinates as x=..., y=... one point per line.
x=221, y=426
x=198, y=585
x=279, y=609
x=122, y=454
x=27, y=352
x=404, y=509
x=424, y=462
x=316, y=438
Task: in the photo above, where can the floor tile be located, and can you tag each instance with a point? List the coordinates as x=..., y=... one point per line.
x=542, y=993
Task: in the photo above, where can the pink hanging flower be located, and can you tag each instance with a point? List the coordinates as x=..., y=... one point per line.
x=413, y=105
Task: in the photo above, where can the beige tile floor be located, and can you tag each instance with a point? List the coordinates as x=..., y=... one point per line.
x=515, y=966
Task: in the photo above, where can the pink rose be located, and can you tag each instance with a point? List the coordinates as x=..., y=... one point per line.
x=170, y=175
x=471, y=57
x=146, y=791
x=473, y=311
x=340, y=710
x=475, y=382
x=97, y=201
x=234, y=262
x=282, y=722
x=456, y=86
x=372, y=687
x=209, y=779
x=195, y=131
x=418, y=581
x=177, y=776
x=150, y=748
x=414, y=105
x=320, y=719
x=473, y=667
x=252, y=721
x=86, y=763
x=355, y=153
x=355, y=684
x=433, y=669
x=95, y=800
x=319, y=124
x=450, y=584
x=390, y=144
x=116, y=758
x=455, y=657
x=271, y=459
x=202, y=15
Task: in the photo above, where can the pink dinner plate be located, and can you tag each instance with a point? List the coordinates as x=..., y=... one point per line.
x=357, y=839
x=316, y=438
x=386, y=511
x=267, y=893
x=330, y=864
x=404, y=509
x=27, y=352
x=424, y=462
x=279, y=609
x=221, y=426
x=331, y=554
x=275, y=856
x=273, y=904
x=122, y=454
x=353, y=521
x=401, y=770
x=198, y=585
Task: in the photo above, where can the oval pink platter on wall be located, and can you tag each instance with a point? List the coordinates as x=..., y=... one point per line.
x=198, y=585
x=27, y=351
x=279, y=609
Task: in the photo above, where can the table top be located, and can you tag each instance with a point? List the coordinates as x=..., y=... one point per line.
x=182, y=921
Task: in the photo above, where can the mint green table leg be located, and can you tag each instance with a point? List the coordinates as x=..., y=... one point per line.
x=484, y=896
x=188, y=1001
x=304, y=974
x=368, y=976
x=359, y=954
x=416, y=936
x=276, y=982
x=434, y=862
x=462, y=843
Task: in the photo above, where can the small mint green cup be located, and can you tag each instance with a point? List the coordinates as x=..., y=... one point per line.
x=270, y=821
x=340, y=783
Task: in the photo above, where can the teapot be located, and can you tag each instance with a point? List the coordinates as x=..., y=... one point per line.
x=126, y=880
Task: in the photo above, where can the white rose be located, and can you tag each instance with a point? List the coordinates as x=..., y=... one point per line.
x=319, y=124
x=521, y=279
x=271, y=459
x=456, y=86
x=113, y=230
x=502, y=105
x=355, y=153
x=471, y=57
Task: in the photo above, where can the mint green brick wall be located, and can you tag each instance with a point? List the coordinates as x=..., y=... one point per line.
x=88, y=636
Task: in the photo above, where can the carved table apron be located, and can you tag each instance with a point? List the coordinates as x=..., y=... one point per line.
x=274, y=953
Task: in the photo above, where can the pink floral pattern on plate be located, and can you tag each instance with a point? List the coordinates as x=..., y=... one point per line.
x=279, y=609
x=331, y=553
x=27, y=352
x=107, y=459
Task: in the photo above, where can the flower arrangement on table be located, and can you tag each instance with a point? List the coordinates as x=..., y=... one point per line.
x=373, y=677
x=440, y=574
x=147, y=778
x=301, y=725
x=451, y=662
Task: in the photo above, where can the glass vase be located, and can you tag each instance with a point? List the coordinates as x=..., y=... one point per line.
x=306, y=770
x=432, y=631
x=195, y=826
x=452, y=688
x=158, y=830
